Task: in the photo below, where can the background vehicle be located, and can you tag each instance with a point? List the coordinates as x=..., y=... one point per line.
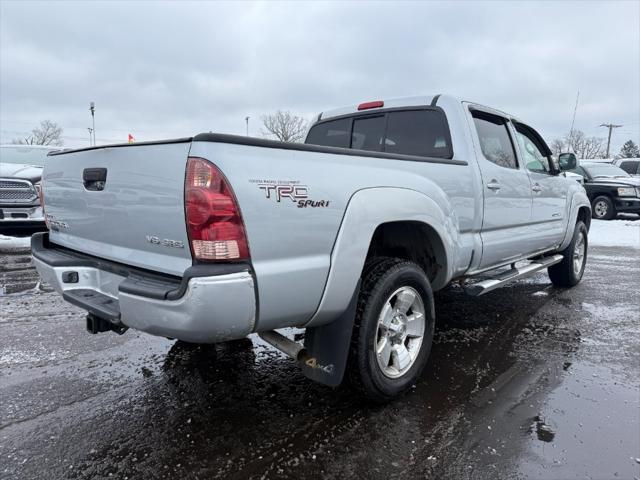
x=629, y=165
x=20, y=174
x=610, y=189
x=574, y=176
x=210, y=238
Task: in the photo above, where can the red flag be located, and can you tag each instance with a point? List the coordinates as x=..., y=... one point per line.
x=131, y=139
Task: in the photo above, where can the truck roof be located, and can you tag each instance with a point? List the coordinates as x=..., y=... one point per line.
x=399, y=103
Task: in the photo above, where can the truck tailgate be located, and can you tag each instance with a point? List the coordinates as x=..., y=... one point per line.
x=135, y=217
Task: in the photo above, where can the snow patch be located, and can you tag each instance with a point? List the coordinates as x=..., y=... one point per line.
x=615, y=233
x=12, y=356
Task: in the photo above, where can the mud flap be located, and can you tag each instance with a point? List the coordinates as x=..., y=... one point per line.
x=327, y=347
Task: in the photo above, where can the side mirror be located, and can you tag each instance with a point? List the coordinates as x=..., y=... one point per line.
x=567, y=161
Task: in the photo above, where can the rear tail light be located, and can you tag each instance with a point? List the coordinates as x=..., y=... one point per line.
x=214, y=223
x=39, y=189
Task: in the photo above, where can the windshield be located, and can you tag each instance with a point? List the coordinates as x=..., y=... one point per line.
x=605, y=170
x=24, y=155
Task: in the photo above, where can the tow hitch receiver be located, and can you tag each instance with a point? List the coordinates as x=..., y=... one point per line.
x=98, y=325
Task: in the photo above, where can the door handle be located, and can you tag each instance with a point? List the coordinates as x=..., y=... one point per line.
x=536, y=187
x=493, y=185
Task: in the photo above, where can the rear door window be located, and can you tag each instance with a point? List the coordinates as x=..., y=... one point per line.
x=368, y=133
x=495, y=141
x=335, y=133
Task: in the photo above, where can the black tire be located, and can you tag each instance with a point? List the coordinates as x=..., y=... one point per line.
x=382, y=276
x=564, y=274
x=603, y=208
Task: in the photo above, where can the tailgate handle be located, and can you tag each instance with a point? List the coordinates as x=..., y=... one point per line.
x=94, y=178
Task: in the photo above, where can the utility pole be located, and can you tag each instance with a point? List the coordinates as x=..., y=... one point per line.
x=92, y=109
x=610, y=126
x=246, y=119
x=90, y=130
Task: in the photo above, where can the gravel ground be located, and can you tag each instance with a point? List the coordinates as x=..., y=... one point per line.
x=528, y=381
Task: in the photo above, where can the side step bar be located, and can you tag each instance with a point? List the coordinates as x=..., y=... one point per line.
x=498, y=281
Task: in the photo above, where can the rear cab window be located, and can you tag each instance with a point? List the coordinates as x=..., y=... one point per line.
x=419, y=132
x=331, y=134
x=422, y=132
x=368, y=133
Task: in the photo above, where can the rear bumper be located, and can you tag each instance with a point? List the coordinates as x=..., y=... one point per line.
x=199, y=308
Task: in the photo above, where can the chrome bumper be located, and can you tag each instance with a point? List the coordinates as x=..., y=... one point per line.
x=21, y=214
x=212, y=309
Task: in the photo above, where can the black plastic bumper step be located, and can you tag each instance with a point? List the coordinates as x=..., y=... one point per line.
x=97, y=303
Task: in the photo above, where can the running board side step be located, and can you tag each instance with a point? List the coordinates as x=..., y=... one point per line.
x=515, y=273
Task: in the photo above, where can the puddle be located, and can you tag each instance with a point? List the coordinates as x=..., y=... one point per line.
x=543, y=431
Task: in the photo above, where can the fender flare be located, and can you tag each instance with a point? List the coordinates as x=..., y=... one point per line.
x=578, y=200
x=367, y=209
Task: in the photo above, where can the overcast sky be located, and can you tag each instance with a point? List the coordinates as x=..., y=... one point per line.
x=169, y=69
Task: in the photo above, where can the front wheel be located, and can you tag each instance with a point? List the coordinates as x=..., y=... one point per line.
x=603, y=208
x=569, y=271
x=393, y=329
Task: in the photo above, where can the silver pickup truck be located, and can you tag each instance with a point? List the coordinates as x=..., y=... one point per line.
x=211, y=238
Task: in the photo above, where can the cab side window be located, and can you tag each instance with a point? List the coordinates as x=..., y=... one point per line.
x=495, y=140
x=630, y=166
x=533, y=158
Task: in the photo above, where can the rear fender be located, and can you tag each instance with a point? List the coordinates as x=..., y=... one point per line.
x=367, y=209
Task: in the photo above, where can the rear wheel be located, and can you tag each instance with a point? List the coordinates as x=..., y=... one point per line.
x=603, y=208
x=569, y=271
x=393, y=328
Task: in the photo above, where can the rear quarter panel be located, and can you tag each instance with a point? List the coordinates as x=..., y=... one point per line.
x=291, y=246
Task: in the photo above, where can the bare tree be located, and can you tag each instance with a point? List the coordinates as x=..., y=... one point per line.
x=557, y=146
x=48, y=133
x=285, y=126
x=578, y=143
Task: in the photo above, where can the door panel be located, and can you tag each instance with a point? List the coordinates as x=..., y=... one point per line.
x=548, y=214
x=506, y=190
x=549, y=191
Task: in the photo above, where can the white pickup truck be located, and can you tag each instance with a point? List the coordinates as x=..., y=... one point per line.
x=211, y=238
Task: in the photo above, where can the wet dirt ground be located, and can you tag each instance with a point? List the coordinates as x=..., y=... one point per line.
x=526, y=382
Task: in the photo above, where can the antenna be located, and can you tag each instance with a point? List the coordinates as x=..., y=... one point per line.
x=573, y=121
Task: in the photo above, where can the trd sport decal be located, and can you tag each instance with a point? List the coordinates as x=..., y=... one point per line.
x=289, y=190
